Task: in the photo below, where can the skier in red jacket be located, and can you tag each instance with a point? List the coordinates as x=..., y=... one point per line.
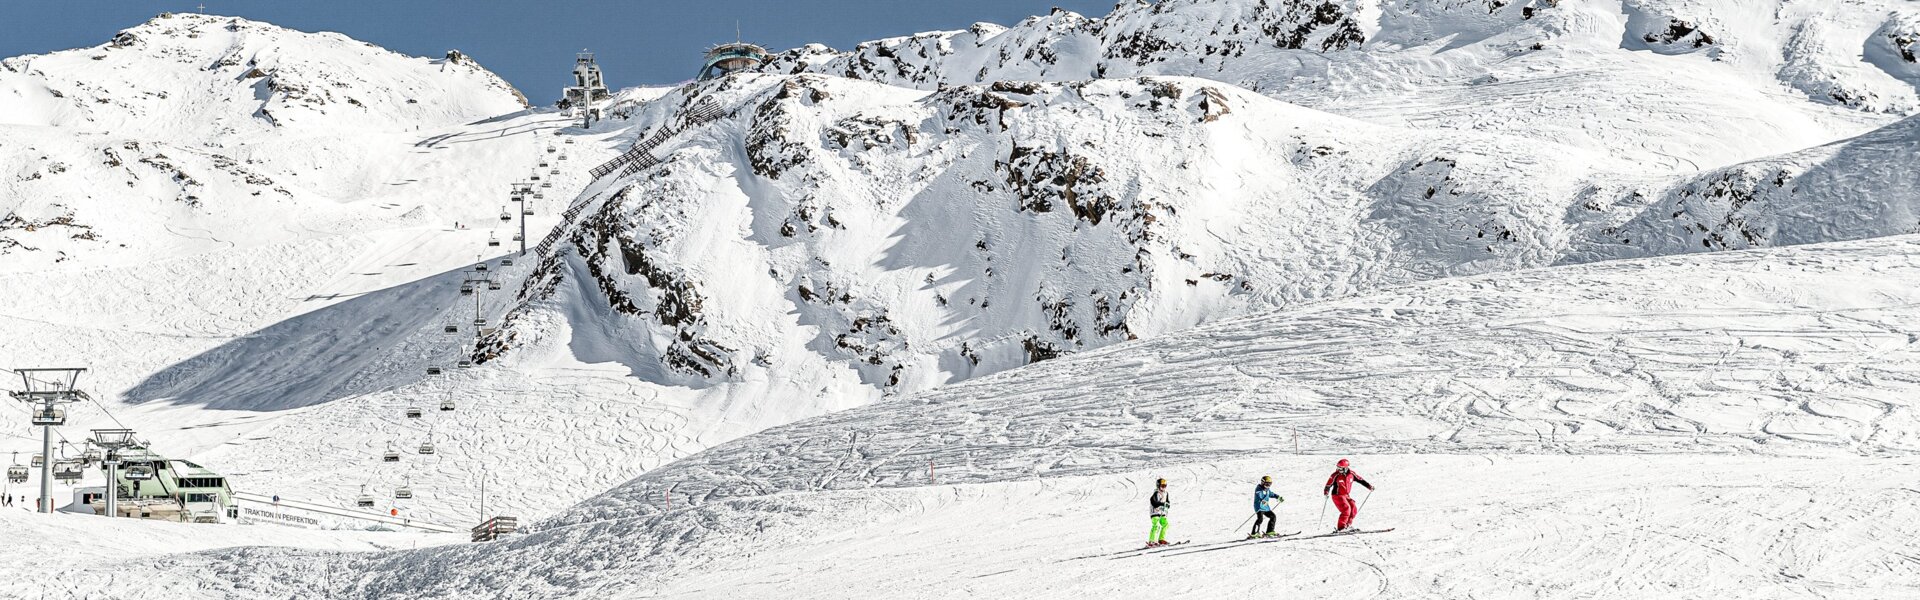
x=1339, y=485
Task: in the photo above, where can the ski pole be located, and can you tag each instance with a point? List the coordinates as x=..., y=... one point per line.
x=1323, y=507
x=1363, y=503
x=1244, y=523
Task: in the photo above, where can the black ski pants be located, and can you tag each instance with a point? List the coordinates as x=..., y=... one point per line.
x=1257, y=516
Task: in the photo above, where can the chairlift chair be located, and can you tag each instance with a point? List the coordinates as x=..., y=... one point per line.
x=49, y=415
x=543, y=163
x=544, y=184
x=538, y=196
x=365, y=501
x=554, y=172
x=403, y=492
x=505, y=216
x=563, y=156
x=139, y=472
x=569, y=140
x=483, y=266
x=38, y=461
x=451, y=328
x=516, y=237
x=92, y=456
x=68, y=470
x=433, y=370
x=391, y=456
x=492, y=241
x=413, y=413
x=446, y=405
x=494, y=285
x=466, y=289
x=465, y=363
x=536, y=175
x=480, y=322
x=550, y=149
x=426, y=447
x=17, y=474
x=528, y=211
x=506, y=262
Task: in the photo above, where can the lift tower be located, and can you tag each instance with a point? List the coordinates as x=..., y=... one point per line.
x=44, y=391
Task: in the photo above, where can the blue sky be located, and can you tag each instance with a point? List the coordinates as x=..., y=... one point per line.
x=532, y=43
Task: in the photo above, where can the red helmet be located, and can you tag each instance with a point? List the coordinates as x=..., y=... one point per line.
x=1343, y=462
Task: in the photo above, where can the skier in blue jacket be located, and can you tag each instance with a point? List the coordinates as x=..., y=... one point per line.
x=1263, y=502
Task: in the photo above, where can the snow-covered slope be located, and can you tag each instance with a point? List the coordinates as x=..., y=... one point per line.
x=1711, y=423
x=191, y=133
x=272, y=281
x=1664, y=82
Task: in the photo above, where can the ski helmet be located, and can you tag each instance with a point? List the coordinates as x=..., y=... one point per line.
x=1343, y=462
x=1266, y=479
x=1162, y=483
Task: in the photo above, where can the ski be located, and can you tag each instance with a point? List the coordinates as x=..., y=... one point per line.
x=1347, y=533
x=1269, y=538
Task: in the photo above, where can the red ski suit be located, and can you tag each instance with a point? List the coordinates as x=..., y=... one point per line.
x=1339, y=485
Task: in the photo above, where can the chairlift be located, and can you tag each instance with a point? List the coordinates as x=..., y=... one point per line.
x=465, y=363
x=494, y=285
x=526, y=210
x=39, y=461
x=544, y=184
x=365, y=501
x=536, y=176
x=91, y=456
x=505, y=216
x=139, y=472
x=68, y=470
x=17, y=474
x=466, y=289
x=413, y=413
x=569, y=140
x=446, y=405
x=492, y=241
x=550, y=148
x=563, y=156
x=554, y=172
x=433, y=370
x=403, y=493
x=543, y=163
x=539, y=196
x=516, y=237
x=451, y=328
x=480, y=322
x=426, y=447
x=483, y=266
x=391, y=456
x=49, y=415
x=506, y=262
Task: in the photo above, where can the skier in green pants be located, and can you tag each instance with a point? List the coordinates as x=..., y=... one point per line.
x=1159, y=504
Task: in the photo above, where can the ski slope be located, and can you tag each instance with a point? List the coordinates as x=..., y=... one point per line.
x=1626, y=426
x=921, y=318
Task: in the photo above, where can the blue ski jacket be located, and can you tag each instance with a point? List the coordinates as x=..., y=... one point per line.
x=1264, y=499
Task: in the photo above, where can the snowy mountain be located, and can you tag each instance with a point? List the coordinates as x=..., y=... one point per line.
x=1766, y=398
x=1003, y=274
